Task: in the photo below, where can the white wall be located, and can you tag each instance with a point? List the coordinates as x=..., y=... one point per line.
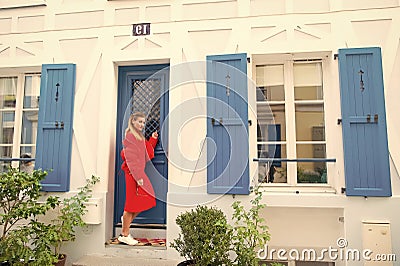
x=96, y=35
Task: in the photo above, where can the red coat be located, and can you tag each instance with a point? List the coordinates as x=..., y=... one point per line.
x=136, y=153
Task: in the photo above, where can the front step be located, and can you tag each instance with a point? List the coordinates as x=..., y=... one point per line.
x=105, y=260
x=128, y=255
x=144, y=252
x=140, y=232
x=117, y=254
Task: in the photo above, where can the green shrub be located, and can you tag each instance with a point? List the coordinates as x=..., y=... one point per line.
x=249, y=231
x=26, y=235
x=205, y=236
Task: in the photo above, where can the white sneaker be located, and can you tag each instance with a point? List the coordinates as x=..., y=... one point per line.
x=129, y=240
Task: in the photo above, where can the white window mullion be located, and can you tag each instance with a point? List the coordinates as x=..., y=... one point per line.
x=290, y=122
x=18, y=119
x=331, y=173
x=36, y=84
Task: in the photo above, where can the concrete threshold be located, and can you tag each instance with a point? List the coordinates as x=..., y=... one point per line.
x=107, y=260
x=121, y=255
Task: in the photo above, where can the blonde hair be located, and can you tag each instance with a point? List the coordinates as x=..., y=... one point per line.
x=138, y=135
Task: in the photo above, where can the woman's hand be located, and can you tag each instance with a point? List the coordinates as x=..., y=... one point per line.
x=155, y=135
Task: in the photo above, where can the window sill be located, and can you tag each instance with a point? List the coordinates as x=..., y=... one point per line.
x=302, y=196
x=298, y=189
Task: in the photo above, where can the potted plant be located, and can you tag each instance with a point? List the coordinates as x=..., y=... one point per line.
x=19, y=195
x=206, y=238
x=249, y=230
x=27, y=237
x=48, y=237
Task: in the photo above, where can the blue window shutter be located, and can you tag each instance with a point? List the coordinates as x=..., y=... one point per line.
x=227, y=125
x=366, y=155
x=54, y=135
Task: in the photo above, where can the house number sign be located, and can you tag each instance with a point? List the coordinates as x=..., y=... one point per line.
x=141, y=29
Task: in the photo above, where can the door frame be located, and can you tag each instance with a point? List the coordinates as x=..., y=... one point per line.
x=142, y=71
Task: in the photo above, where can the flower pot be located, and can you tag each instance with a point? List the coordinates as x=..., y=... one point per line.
x=186, y=263
x=62, y=258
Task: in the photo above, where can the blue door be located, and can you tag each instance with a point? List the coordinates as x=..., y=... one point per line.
x=366, y=155
x=144, y=89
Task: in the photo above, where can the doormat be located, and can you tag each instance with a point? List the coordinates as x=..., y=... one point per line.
x=153, y=242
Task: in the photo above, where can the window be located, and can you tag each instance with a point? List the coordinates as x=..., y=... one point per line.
x=291, y=127
x=19, y=106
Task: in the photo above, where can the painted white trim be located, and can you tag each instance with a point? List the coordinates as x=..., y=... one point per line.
x=22, y=3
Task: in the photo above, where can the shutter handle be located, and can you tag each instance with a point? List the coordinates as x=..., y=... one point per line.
x=213, y=121
x=376, y=118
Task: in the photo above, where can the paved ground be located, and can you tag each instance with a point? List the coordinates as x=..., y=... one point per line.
x=99, y=260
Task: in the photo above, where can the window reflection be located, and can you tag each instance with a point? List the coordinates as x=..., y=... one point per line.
x=311, y=172
x=272, y=172
x=30, y=114
x=270, y=82
x=297, y=101
x=308, y=81
x=310, y=122
x=32, y=91
x=8, y=92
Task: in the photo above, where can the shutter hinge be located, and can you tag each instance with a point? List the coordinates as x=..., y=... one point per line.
x=335, y=56
x=248, y=59
x=339, y=121
x=343, y=190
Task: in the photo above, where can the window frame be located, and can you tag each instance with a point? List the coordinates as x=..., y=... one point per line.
x=20, y=74
x=288, y=61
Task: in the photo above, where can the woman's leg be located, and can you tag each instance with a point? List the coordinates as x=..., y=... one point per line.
x=125, y=236
x=127, y=219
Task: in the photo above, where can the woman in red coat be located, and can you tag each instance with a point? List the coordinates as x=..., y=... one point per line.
x=139, y=191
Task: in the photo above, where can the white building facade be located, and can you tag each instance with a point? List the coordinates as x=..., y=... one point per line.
x=298, y=97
